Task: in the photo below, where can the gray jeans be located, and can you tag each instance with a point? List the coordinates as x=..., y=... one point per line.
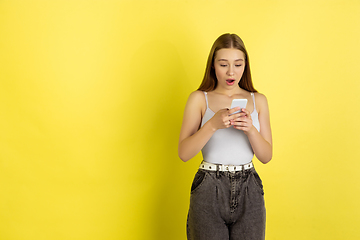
x=226, y=205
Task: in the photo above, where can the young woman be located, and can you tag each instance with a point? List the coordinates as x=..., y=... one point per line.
x=227, y=199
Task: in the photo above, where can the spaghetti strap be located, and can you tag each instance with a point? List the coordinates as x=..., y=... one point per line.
x=207, y=105
x=253, y=97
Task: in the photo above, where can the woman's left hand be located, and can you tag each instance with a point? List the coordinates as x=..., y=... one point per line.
x=244, y=122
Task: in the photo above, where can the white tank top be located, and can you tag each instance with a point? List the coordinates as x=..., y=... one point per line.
x=228, y=146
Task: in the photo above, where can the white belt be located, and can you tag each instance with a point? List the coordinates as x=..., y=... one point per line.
x=220, y=167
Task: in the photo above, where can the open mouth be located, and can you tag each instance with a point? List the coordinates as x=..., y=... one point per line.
x=230, y=81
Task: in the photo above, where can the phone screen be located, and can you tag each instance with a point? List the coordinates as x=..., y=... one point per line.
x=238, y=103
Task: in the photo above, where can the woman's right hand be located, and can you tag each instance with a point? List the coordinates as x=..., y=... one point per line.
x=223, y=118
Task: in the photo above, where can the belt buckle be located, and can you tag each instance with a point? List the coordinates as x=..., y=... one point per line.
x=232, y=169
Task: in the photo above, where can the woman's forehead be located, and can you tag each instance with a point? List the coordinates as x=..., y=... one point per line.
x=229, y=54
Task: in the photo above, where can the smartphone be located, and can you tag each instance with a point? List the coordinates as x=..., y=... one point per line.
x=238, y=103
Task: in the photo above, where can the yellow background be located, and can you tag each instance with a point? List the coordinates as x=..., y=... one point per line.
x=91, y=101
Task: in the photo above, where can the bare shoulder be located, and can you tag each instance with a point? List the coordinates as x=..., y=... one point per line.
x=197, y=98
x=261, y=97
x=197, y=95
x=261, y=102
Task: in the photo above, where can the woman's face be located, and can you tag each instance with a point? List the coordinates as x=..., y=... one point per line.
x=229, y=64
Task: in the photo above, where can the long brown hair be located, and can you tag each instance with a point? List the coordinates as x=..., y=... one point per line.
x=226, y=40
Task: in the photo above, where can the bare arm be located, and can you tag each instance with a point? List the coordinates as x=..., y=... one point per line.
x=192, y=137
x=261, y=142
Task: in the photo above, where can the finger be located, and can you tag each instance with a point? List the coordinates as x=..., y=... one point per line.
x=244, y=110
x=237, y=124
x=228, y=123
x=240, y=121
x=242, y=115
x=236, y=115
x=239, y=127
x=243, y=118
x=231, y=111
x=243, y=123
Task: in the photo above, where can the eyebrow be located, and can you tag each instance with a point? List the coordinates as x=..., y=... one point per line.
x=240, y=59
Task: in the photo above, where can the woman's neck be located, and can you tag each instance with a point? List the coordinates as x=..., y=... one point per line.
x=228, y=92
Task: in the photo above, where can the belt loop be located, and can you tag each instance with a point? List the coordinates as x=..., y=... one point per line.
x=217, y=171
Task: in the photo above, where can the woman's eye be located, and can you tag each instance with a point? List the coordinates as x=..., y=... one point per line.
x=238, y=65
x=222, y=65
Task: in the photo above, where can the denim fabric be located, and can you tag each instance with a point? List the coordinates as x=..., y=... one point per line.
x=226, y=205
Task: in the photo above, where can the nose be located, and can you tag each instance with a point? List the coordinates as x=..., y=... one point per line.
x=231, y=71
